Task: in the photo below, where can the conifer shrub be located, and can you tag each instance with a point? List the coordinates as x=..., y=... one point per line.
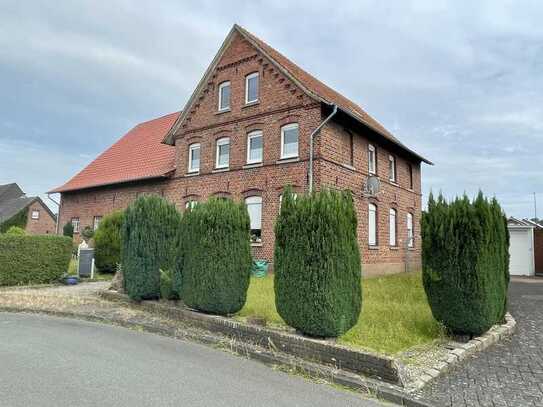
x=317, y=263
x=68, y=229
x=148, y=244
x=107, y=242
x=216, y=252
x=465, y=262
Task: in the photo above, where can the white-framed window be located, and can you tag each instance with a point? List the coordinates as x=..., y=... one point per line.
x=289, y=140
x=255, y=147
x=222, y=154
x=410, y=232
x=96, y=222
x=372, y=160
x=254, y=207
x=191, y=204
x=35, y=214
x=194, y=157
x=294, y=196
x=75, y=224
x=392, y=168
x=392, y=227
x=372, y=224
x=410, y=170
x=224, y=96
x=251, y=88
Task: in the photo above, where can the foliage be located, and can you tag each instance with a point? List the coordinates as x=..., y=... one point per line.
x=317, y=263
x=33, y=259
x=166, y=286
x=149, y=237
x=16, y=230
x=68, y=229
x=216, y=259
x=465, y=262
x=19, y=220
x=87, y=233
x=107, y=242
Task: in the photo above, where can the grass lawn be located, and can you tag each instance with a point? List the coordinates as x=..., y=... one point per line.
x=98, y=276
x=395, y=313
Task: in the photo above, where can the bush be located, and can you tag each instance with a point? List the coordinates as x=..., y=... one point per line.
x=68, y=229
x=217, y=260
x=33, y=259
x=465, y=262
x=19, y=219
x=166, y=286
x=107, y=242
x=317, y=263
x=87, y=233
x=16, y=231
x=148, y=237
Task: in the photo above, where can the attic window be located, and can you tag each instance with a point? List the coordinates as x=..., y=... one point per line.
x=35, y=214
x=224, y=96
x=251, y=88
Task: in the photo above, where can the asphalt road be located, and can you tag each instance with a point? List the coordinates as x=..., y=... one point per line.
x=46, y=361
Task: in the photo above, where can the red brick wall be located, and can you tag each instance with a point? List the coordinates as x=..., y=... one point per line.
x=44, y=225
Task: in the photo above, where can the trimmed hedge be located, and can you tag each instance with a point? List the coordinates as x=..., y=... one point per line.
x=317, y=263
x=216, y=257
x=148, y=237
x=107, y=242
x=33, y=259
x=465, y=262
x=19, y=219
x=16, y=230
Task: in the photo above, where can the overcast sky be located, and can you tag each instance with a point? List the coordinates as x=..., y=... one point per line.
x=461, y=84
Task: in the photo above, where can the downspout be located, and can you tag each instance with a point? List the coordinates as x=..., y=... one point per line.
x=58, y=212
x=311, y=142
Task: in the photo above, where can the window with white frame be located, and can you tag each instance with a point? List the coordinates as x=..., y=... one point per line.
x=191, y=204
x=224, y=96
x=410, y=170
x=35, y=215
x=254, y=147
x=372, y=225
x=392, y=168
x=392, y=227
x=251, y=88
x=96, y=222
x=294, y=197
x=222, y=155
x=194, y=157
x=75, y=224
x=254, y=207
x=372, y=163
x=289, y=141
x=410, y=233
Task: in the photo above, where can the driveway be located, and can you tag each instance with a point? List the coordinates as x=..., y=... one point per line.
x=49, y=361
x=509, y=373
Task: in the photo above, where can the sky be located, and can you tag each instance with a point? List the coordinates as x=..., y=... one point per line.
x=460, y=82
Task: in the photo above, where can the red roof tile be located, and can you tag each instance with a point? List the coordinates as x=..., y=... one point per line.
x=138, y=155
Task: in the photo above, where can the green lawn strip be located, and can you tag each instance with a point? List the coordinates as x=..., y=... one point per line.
x=98, y=276
x=395, y=313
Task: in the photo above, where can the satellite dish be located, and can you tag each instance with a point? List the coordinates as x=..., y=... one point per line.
x=371, y=186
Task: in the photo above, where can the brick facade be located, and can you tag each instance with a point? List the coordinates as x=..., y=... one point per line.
x=45, y=223
x=341, y=160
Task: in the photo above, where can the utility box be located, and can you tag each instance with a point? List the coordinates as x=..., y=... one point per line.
x=86, y=260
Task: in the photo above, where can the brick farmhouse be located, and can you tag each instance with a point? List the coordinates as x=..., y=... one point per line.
x=246, y=133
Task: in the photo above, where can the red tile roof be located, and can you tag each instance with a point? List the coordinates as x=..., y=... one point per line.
x=138, y=155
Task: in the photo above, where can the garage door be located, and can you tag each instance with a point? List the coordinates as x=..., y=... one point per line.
x=521, y=254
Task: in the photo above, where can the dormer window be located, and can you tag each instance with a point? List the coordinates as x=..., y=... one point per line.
x=224, y=96
x=251, y=88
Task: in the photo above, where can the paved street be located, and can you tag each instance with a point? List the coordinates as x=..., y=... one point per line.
x=57, y=362
x=509, y=373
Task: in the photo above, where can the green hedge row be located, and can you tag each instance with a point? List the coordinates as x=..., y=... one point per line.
x=465, y=262
x=317, y=263
x=33, y=259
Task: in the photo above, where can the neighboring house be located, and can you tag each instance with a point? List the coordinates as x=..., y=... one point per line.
x=245, y=134
x=29, y=213
x=525, y=247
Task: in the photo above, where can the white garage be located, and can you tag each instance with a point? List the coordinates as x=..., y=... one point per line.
x=521, y=247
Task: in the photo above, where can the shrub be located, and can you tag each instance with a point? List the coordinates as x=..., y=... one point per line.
x=317, y=263
x=16, y=230
x=19, y=219
x=87, y=233
x=33, y=259
x=68, y=229
x=148, y=237
x=216, y=257
x=166, y=286
x=107, y=242
x=465, y=262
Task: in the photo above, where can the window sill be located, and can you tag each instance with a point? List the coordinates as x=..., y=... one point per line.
x=250, y=104
x=220, y=170
x=373, y=247
x=394, y=248
x=223, y=111
x=411, y=248
x=253, y=165
x=288, y=160
x=394, y=183
x=192, y=174
x=349, y=167
x=256, y=244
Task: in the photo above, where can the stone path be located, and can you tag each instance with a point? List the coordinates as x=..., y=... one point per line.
x=509, y=373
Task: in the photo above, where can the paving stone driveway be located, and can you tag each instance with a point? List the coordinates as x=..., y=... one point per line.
x=509, y=373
